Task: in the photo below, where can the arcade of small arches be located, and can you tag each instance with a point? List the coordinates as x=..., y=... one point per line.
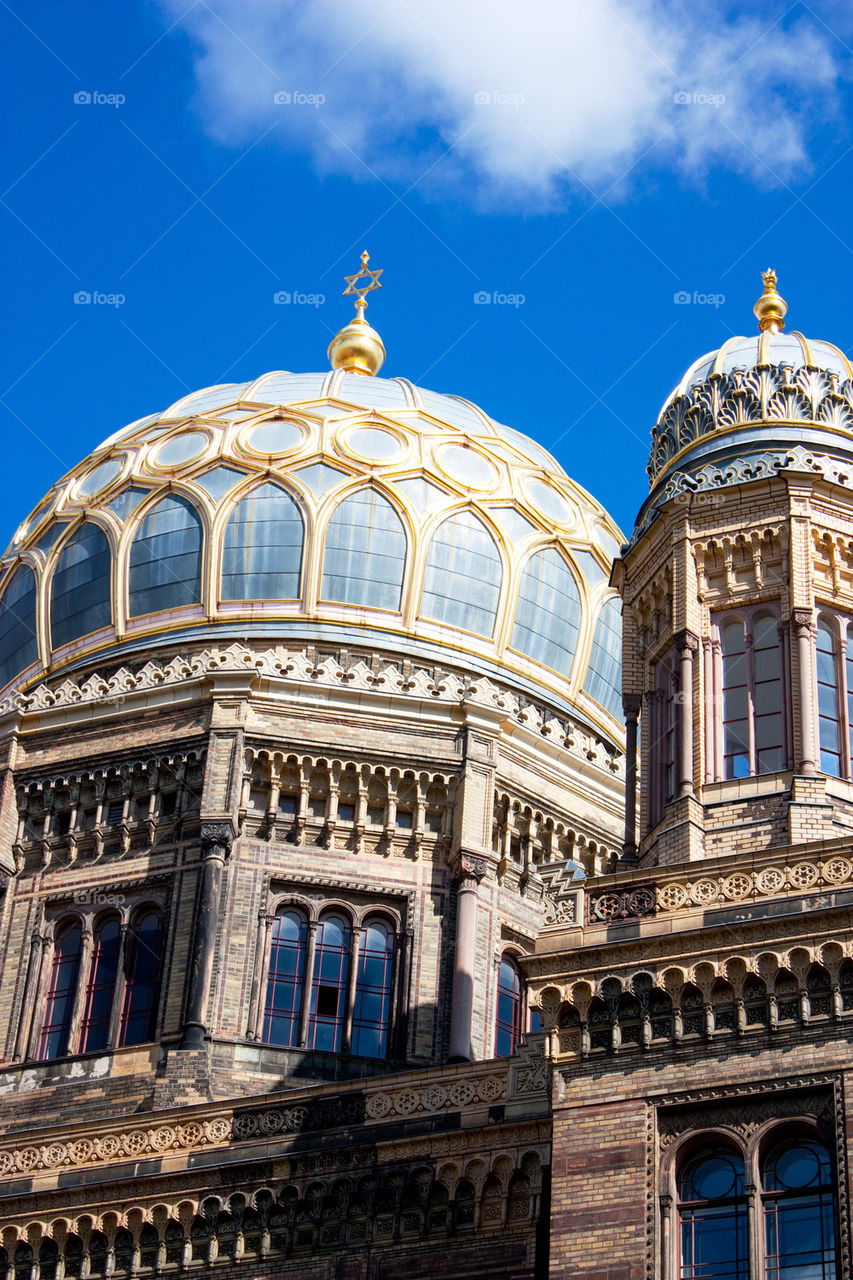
x=528, y=838
x=345, y=803
x=300, y=1217
x=736, y=997
x=114, y=807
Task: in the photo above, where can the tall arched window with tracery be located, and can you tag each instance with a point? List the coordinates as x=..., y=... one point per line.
x=463, y=575
x=752, y=705
x=364, y=558
x=713, y=1229
x=329, y=984
x=285, y=981
x=18, y=637
x=834, y=653
x=62, y=989
x=372, y=1008
x=799, y=1212
x=101, y=985
x=142, y=979
x=262, y=548
x=663, y=736
x=508, y=1020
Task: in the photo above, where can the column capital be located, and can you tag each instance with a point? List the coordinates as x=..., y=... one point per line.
x=217, y=833
x=802, y=621
x=632, y=704
x=471, y=867
x=686, y=642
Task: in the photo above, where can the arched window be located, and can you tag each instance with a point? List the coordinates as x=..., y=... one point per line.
x=18, y=639
x=80, y=589
x=365, y=553
x=100, y=989
x=462, y=583
x=65, y=974
x=799, y=1212
x=165, y=558
x=142, y=979
x=712, y=1217
x=548, y=614
x=329, y=984
x=752, y=693
x=509, y=1011
x=835, y=694
x=604, y=674
x=284, y=984
x=373, y=991
x=663, y=724
x=262, y=553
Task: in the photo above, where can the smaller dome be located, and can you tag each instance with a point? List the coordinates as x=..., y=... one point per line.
x=766, y=348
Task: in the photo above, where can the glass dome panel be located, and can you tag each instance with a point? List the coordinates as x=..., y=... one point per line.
x=468, y=467
x=18, y=638
x=128, y=500
x=180, y=449
x=550, y=502
x=604, y=675
x=365, y=554
x=462, y=583
x=379, y=393
x=373, y=442
x=99, y=477
x=206, y=399
x=548, y=616
x=165, y=558
x=218, y=481
x=262, y=554
x=320, y=477
x=422, y=493
x=50, y=535
x=274, y=436
x=80, y=594
x=281, y=388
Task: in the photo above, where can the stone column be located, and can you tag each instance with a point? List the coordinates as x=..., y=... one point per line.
x=686, y=646
x=216, y=841
x=631, y=703
x=801, y=625
x=261, y=969
x=470, y=872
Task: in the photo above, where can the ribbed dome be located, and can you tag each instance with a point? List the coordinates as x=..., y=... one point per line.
x=329, y=507
x=735, y=409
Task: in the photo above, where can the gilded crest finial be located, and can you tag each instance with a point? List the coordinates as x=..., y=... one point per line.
x=770, y=309
x=357, y=348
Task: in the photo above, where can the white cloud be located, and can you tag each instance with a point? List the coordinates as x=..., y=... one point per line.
x=531, y=98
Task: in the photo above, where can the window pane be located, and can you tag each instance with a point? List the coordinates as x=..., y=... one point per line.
x=547, y=618
x=508, y=1020
x=143, y=973
x=106, y=948
x=65, y=972
x=328, y=990
x=373, y=991
x=462, y=583
x=284, y=985
x=828, y=700
x=262, y=552
x=80, y=594
x=365, y=554
x=712, y=1218
x=18, y=642
x=165, y=558
x=604, y=674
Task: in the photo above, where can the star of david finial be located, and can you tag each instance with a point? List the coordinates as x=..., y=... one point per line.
x=370, y=281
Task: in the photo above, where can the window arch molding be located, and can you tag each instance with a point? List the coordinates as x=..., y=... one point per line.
x=222, y=519
x=314, y=572
x=754, y=1151
x=430, y=528
x=176, y=490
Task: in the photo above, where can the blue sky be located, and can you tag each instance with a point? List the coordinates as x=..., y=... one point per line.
x=579, y=167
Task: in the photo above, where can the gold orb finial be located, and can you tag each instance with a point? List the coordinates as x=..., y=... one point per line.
x=357, y=348
x=770, y=309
